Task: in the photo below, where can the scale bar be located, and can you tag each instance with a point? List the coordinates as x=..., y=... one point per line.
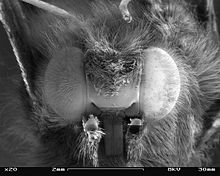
x=142, y=169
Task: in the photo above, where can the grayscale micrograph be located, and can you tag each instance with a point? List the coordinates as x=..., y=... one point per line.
x=109, y=83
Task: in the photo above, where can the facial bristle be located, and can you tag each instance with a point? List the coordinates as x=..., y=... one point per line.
x=88, y=143
x=135, y=147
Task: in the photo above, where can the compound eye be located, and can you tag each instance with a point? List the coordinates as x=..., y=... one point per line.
x=160, y=83
x=64, y=83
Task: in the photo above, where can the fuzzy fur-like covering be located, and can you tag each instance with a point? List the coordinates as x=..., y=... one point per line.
x=42, y=138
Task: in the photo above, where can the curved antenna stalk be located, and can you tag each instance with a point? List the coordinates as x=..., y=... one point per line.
x=48, y=7
x=124, y=10
x=10, y=27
